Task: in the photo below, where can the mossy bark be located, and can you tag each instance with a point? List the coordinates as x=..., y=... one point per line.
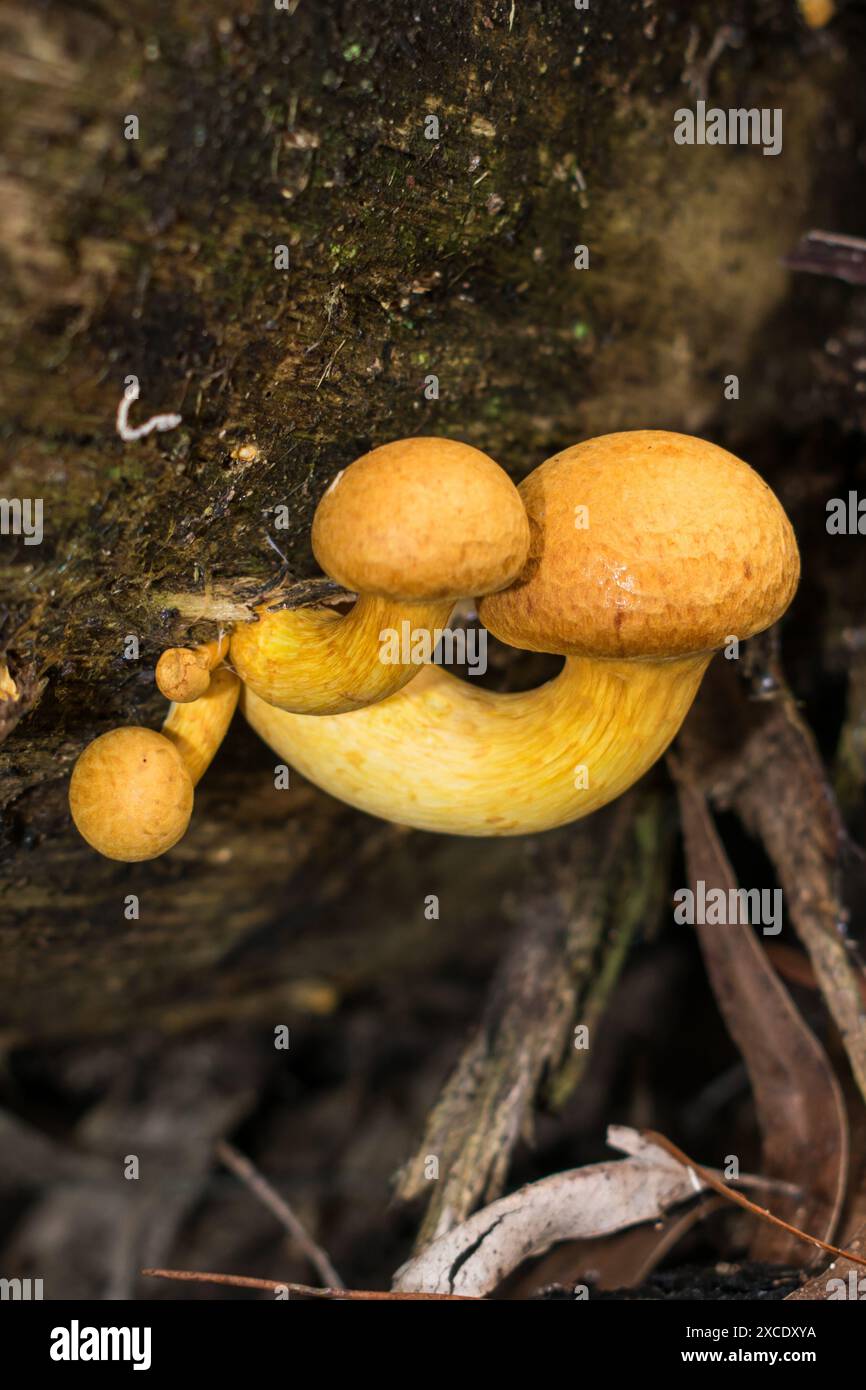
x=305, y=127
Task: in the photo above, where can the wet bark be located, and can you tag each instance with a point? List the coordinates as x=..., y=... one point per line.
x=409, y=258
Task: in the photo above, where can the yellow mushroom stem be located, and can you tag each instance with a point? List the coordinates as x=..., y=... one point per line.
x=183, y=673
x=315, y=661
x=131, y=792
x=444, y=755
x=198, y=728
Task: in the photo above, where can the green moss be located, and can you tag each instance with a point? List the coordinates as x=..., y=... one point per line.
x=397, y=262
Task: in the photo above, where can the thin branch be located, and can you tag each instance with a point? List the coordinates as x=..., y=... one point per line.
x=241, y=1281
x=718, y=1185
x=250, y=1175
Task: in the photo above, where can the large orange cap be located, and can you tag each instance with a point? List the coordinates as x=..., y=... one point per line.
x=422, y=519
x=680, y=546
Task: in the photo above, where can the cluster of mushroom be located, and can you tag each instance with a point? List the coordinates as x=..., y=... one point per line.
x=635, y=556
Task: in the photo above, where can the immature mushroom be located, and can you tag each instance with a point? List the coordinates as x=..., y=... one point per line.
x=411, y=527
x=131, y=793
x=183, y=673
x=685, y=548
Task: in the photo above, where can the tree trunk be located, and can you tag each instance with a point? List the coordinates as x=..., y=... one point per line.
x=309, y=230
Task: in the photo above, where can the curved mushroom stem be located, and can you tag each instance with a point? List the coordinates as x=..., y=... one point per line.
x=197, y=728
x=446, y=756
x=183, y=673
x=313, y=661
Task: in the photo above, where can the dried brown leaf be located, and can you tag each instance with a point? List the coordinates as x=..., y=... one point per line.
x=799, y=1103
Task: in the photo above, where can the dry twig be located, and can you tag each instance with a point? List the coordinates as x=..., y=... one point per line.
x=242, y=1281
x=249, y=1174
x=710, y=1179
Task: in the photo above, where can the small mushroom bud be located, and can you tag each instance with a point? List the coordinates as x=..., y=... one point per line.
x=410, y=527
x=131, y=792
x=183, y=673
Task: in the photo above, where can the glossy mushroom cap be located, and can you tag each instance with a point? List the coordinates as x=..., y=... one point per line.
x=684, y=546
x=422, y=519
x=131, y=795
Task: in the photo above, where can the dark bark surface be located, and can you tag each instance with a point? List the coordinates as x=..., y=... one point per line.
x=305, y=128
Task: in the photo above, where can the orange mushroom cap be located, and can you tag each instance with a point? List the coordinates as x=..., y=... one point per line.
x=421, y=519
x=131, y=795
x=681, y=545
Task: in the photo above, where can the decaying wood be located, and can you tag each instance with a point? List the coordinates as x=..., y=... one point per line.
x=236, y=600
x=410, y=258
x=573, y=920
x=412, y=261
